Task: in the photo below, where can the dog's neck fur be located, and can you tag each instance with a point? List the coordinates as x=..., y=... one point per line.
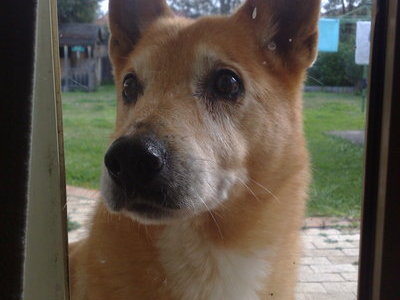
x=224, y=256
x=233, y=253
x=208, y=257
x=197, y=268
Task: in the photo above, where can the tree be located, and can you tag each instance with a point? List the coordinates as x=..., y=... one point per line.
x=197, y=8
x=336, y=69
x=79, y=11
x=339, y=69
x=341, y=7
x=227, y=6
x=192, y=8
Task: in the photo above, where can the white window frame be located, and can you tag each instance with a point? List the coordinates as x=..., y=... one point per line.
x=46, y=260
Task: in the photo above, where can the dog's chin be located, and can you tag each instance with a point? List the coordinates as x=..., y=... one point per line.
x=137, y=207
x=151, y=215
x=153, y=210
x=148, y=213
x=143, y=210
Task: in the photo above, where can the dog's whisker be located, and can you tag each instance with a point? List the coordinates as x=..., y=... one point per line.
x=213, y=167
x=265, y=189
x=192, y=204
x=203, y=159
x=148, y=237
x=249, y=189
x=214, y=219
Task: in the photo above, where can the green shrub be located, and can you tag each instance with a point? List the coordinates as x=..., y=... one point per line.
x=72, y=225
x=336, y=69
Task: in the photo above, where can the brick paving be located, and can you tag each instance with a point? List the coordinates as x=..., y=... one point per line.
x=329, y=264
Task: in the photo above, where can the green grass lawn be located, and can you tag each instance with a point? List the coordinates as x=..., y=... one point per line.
x=88, y=123
x=336, y=164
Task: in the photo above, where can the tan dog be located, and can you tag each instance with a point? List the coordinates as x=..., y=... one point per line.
x=205, y=183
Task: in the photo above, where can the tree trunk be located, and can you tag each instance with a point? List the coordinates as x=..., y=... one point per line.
x=350, y=7
x=224, y=7
x=343, y=7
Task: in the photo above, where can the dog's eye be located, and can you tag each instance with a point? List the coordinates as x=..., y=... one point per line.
x=131, y=88
x=227, y=85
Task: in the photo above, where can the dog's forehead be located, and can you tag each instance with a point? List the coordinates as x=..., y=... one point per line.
x=197, y=58
x=160, y=45
x=182, y=46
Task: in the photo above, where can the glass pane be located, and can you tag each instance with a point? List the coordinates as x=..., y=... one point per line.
x=229, y=81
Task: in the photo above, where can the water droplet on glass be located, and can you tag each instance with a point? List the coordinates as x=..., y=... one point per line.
x=272, y=46
x=254, y=14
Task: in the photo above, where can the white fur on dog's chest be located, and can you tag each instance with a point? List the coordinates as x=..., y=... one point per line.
x=197, y=269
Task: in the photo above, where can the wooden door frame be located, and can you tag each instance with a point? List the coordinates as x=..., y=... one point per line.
x=380, y=238
x=380, y=233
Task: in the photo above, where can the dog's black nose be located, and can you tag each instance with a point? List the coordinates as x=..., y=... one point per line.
x=133, y=162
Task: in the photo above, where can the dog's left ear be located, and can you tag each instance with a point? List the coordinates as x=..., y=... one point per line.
x=287, y=28
x=128, y=19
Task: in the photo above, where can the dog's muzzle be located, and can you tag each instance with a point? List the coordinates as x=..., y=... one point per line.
x=138, y=168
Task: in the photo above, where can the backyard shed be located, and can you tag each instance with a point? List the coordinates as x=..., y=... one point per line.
x=83, y=51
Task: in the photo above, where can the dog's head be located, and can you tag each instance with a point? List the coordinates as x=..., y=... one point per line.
x=205, y=106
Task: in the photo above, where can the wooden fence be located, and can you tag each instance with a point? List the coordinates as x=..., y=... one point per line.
x=82, y=78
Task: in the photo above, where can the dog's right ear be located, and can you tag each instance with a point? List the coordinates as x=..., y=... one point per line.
x=286, y=28
x=128, y=19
